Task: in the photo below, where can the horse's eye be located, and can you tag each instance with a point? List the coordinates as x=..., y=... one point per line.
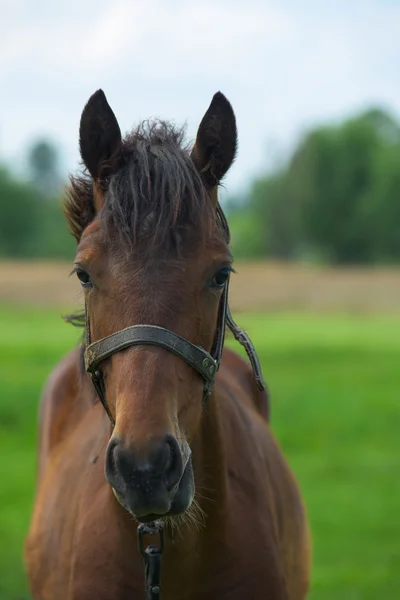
x=84, y=278
x=220, y=278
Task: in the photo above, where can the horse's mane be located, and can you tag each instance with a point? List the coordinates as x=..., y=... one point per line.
x=156, y=195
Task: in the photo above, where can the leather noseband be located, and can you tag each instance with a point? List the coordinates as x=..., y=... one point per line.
x=205, y=363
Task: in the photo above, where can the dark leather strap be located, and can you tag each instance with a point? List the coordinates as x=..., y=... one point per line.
x=243, y=339
x=98, y=382
x=151, y=335
x=218, y=345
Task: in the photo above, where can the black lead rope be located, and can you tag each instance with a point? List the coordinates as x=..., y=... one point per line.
x=152, y=558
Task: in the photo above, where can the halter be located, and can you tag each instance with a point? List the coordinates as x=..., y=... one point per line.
x=200, y=360
x=205, y=363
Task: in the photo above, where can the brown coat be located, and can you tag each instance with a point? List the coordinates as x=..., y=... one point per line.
x=253, y=543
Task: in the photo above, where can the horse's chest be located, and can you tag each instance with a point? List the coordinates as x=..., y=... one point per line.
x=96, y=563
x=227, y=567
x=90, y=550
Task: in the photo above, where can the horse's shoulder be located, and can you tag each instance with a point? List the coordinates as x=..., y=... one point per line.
x=58, y=402
x=236, y=372
x=61, y=385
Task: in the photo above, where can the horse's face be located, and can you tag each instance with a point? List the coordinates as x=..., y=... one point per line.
x=154, y=396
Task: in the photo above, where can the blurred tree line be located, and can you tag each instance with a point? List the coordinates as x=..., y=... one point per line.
x=336, y=200
x=31, y=220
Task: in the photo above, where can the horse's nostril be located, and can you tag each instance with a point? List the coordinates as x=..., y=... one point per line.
x=170, y=456
x=112, y=444
x=110, y=459
x=174, y=469
x=112, y=449
x=111, y=469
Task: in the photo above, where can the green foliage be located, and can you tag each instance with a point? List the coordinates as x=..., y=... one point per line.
x=283, y=238
x=336, y=199
x=334, y=397
x=31, y=224
x=44, y=168
x=247, y=235
x=18, y=207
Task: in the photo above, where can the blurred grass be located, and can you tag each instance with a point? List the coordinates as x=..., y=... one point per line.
x=334, y=387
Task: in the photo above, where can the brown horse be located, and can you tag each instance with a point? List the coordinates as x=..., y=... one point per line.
x=201, y=459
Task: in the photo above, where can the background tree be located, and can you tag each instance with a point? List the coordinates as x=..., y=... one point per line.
x=335, y=200
x=30, y=227
x=43, y=165
x=19, y=214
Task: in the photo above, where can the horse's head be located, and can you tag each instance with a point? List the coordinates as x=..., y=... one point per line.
x=151, y=251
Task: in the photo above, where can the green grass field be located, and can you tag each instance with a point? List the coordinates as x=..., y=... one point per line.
x=334, y=383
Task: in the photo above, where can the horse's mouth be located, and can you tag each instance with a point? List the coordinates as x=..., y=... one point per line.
x=179, y=502
x=143, y=519
x=151, y=517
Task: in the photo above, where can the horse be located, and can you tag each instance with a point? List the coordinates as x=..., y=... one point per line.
x=151, y=429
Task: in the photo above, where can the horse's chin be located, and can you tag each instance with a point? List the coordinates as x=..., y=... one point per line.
x=174, y=514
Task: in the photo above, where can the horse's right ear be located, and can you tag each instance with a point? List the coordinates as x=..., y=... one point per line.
x=99, y=136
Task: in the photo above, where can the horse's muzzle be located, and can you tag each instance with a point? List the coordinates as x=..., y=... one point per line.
x=151, y=485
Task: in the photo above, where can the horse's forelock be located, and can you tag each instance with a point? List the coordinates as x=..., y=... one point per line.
x=156, y=196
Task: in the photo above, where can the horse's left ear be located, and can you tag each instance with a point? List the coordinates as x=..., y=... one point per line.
x=216, y=142
x=99, y=136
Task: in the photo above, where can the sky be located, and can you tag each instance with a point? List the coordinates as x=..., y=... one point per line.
x=285, y=65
